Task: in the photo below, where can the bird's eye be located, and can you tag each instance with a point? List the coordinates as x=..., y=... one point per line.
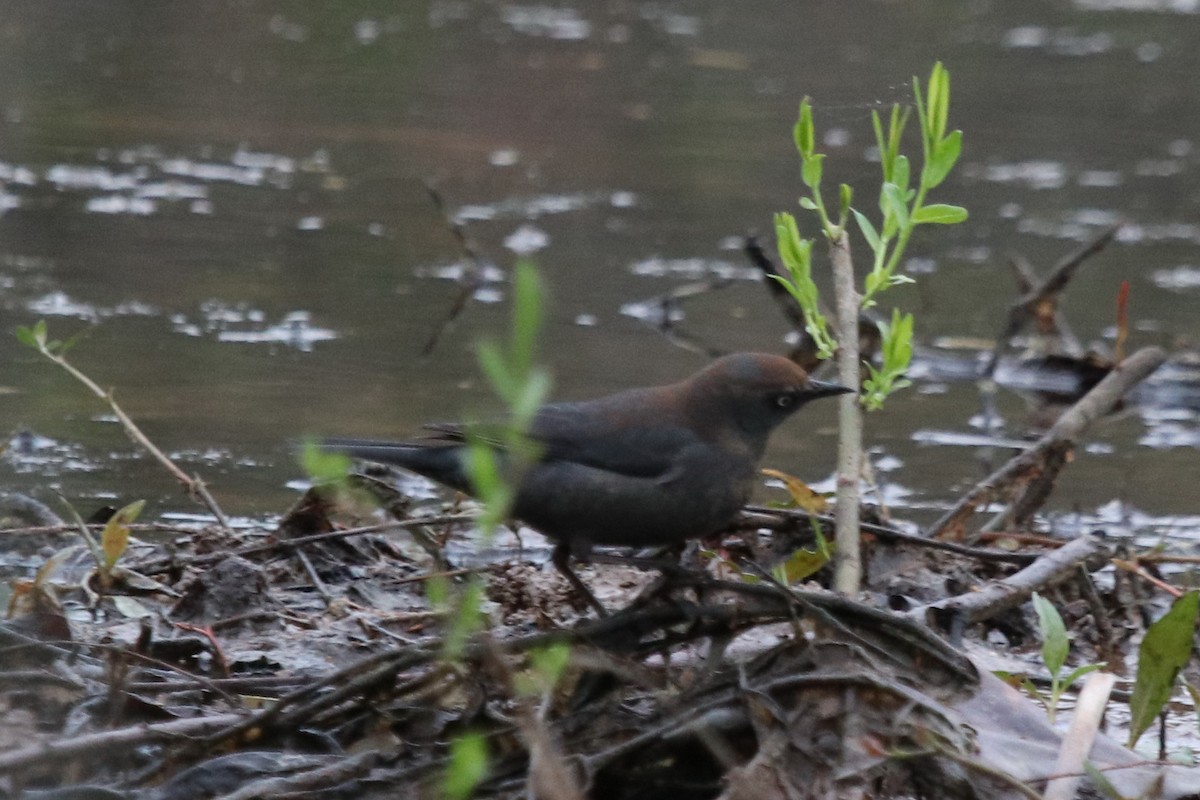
x=784, y=400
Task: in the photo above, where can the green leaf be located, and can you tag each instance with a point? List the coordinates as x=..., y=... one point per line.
x=495, y=367
x=868, y=231
x=547, y=665
x=322, y=466
x=846, y=195
x=891, y=198
x=881, y=143
x=803, y=563
x=807, y=204
x=900, y=174
x=1162, y=654
x=942, y=159
x=27, y=337
x=794, y=251
x=483, y=468
x=527, y=317
x=804, y=132
x=467, y=768
x=811, y=169
x=1055, y=644
x=1078, y=673
x=897, y=343
x=1101, y=782
x=873, y=280
x=115, y=537
x=530, y=396
x=939, y=214
x=938, y=103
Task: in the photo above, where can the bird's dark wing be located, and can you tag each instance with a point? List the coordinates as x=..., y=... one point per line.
x=574, y=432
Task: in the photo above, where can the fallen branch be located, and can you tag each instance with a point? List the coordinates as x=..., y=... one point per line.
x=1038, y=466
x=105, y=743
x=954, y=614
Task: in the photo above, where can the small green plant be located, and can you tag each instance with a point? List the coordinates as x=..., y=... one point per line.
x=498, y=457
x=902, y=208
x=1056, y=645
x=468, y=766
x=546, y=667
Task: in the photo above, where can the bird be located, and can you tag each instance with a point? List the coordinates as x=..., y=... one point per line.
x=643, y=467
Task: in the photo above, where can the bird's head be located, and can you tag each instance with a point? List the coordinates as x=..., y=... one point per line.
x=756, y=391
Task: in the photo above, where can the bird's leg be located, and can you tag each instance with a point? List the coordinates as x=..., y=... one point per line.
x=562, y=561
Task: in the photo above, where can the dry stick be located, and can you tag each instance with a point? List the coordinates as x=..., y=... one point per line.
x=471, y=279
x=1027, y=282
x=1069, y=427
x=300, y=541
x=119, y=740
x=887, y=534
x=1024, y=307
x=955, y=613
x=140, y=527
x=1132, y=567
x=848, y=564
x=339, y=772
x=194, y=484
x=1085, y=722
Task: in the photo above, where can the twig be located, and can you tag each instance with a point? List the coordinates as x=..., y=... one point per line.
x=1061, y=436
x=471, y=279
x=1132, y=567
x=120, y=740
x=1026, y=306
x=301, y=541
x=194, y=485
x=955, y=613
x=309, y=781
x=889, y=534
x=848, y=559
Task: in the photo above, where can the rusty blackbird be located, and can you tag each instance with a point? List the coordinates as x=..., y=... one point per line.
x=647, y=466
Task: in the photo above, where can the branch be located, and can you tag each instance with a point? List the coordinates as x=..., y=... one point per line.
x=1037, y=462
x=848, y=567
x=955, y=613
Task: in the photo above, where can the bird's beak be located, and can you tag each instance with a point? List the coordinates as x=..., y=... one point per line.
x=817, y=389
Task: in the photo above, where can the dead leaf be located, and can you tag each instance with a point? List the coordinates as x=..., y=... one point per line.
x=804, y=498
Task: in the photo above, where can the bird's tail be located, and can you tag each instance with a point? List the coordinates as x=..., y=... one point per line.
x=440, y=462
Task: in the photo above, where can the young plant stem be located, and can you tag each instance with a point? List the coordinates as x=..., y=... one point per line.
x=194, y=485
x=848, y=564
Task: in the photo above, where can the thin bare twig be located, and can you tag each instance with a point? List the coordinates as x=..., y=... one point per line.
x=194, y=485
x=1025, y=307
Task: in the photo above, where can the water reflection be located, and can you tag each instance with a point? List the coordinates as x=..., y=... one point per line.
x=238, y=203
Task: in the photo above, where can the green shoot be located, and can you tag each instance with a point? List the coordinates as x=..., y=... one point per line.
x=902, y=208
x=496, y=461
x=468, y=766
x=896, y=354
x=1056, y=645
x=796, y=254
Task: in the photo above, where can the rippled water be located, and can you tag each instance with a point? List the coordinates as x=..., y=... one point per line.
x=233, y=207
